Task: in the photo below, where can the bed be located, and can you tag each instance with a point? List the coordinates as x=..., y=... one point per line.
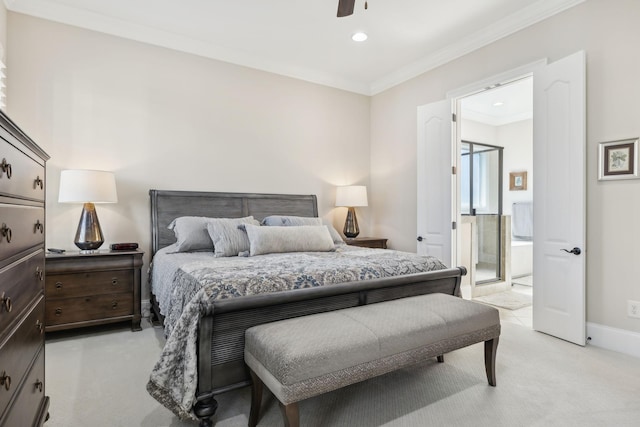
x=203, y=355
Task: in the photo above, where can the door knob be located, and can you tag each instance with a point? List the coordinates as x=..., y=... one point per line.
x=575, y=251
x=420, y=239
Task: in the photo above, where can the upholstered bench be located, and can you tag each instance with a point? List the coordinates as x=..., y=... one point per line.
x=306, y=356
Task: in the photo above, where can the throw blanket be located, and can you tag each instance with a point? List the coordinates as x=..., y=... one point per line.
x=174, y=379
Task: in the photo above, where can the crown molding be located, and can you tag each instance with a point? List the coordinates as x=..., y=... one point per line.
x=57, y=12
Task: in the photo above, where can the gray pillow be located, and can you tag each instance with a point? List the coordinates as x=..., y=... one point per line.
x=278, y=239
x=228, y=239
x=288, y=220
x=192, y=234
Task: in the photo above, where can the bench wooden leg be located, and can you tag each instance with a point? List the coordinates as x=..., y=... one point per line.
x=290, y=414
x=490, y=349
x=256, y=398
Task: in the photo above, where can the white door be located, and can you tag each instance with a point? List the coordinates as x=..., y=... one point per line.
x=435, y=215
x=559, y=194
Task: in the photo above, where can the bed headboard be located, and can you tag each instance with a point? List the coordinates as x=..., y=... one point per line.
x=168, y=205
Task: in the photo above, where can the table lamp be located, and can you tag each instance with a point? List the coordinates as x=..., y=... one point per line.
x=351, y=196
x=88, y=187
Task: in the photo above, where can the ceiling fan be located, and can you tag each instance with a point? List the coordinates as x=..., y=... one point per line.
x=345, y=7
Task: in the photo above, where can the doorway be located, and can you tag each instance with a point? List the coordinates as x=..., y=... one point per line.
x=496, y=147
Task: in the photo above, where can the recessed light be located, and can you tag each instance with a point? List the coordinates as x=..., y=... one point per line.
x=498, y=104
x=359, y=37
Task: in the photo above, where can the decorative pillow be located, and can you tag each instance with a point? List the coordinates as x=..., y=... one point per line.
x=277, y=239
x=282, y=220
x=192, y=234
x=228, y=239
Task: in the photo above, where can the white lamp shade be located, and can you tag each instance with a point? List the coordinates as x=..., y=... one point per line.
x=87, y=186
x=351, y=196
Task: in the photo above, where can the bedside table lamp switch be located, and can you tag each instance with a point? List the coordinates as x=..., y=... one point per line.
x=351, y=196
x=88, y=187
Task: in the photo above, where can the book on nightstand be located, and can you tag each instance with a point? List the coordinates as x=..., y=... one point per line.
x=124, y=246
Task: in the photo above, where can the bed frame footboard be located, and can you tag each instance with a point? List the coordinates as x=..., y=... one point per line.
x=221, y=366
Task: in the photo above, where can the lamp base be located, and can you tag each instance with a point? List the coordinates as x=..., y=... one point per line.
x=89, y=235
x=351, y=229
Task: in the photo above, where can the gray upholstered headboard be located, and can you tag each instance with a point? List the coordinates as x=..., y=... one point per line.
x=168, y=205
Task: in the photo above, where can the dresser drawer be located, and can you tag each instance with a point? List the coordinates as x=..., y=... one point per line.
x=89, y=283
x=70, y=310
x=21, y=227
x=18, y=351
x=30, y=396
x=20, y=176
x=20, y=282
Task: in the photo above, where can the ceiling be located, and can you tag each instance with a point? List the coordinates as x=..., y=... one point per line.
x=304, y=38
x=501, y=105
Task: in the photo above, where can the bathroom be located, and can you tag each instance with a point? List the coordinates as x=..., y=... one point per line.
x=496, y=194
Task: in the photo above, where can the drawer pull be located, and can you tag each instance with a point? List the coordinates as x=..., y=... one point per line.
x=114, y=281
x=114, y=305
x=58, y=311
x=39, y=385
x=38, y=183
x=39, y=274
x=58, y=285
x=6, y=168
x=40, y=326
x=38, y=226
x=6, y=232
x=6, y=303
x=5, y=380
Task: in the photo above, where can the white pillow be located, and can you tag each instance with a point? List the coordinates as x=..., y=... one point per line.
x=288, y=220
x=278, y=239
x=227, y=239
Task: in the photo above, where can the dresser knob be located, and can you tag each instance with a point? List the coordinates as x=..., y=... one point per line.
x=6, y=232
x=114, y=281
x=40, y=326
x=39, y=273
x=58, y=285
x=58, y=311
x=5, y=380
x=38, y=183
x=6, y=303
x=38, y=226
x=114, y=305
x=6, y=168
x=39, y=385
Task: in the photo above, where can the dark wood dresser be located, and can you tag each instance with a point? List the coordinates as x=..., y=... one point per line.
x=22, y=214
x=93, y=289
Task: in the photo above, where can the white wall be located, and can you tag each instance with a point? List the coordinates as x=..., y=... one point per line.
x=517, y=140
x=608, y=32
x=161, y=119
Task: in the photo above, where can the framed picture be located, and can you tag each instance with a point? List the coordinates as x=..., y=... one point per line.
x=618, y=159
x=517, y=181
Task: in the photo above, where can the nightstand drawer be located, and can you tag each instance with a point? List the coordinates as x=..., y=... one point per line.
x=70, y=310
x=89, y=283
x=19, y=284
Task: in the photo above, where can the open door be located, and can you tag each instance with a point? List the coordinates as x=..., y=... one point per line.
x=434, y=196
x=559, y=194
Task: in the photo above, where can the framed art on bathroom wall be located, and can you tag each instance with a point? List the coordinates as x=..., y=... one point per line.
x=517, y=181
x=618, y=159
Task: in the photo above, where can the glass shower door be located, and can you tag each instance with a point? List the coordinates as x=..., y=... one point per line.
x=481, y=196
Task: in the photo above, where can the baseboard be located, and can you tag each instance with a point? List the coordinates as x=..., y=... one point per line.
x=619, y=340
x=145, y=308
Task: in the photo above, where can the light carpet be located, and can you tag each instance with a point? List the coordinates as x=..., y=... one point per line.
x=507, y=299
x=98, y=379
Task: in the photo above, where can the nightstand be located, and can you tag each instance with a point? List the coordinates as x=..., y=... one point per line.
x=92, y=289
x=368, y=242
